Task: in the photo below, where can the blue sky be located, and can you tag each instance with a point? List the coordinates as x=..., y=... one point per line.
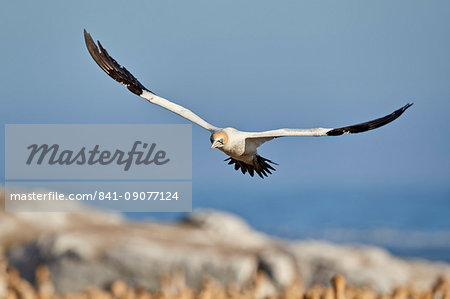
x=253, y=65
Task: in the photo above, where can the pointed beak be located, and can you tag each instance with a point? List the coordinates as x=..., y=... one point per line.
x=215, y=144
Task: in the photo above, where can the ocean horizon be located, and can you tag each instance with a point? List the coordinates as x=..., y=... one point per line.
x=408, y=222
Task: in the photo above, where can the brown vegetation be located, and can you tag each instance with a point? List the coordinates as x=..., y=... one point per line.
x=174, y=287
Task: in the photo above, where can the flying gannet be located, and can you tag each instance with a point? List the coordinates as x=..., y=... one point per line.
x=240, y=146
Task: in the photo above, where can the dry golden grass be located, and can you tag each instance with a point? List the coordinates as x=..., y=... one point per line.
x=174, y=287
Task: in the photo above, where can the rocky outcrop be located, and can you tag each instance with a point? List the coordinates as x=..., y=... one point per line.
x=90, y=248
x=363, y=265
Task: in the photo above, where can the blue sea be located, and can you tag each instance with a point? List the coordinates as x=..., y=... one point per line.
x=412, y=221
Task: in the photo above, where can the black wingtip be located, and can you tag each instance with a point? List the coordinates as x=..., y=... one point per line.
x=110, y=66
x=400, y=111
x=407, y=106
x=370, y=125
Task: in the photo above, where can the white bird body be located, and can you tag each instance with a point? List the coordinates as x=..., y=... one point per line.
x=235, y=147
x=240, y=146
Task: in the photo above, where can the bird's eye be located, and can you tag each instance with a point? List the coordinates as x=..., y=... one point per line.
x=221, y=140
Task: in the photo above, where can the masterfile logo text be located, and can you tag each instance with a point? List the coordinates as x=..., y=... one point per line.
x=140, y=153
x=98, y=152
x=76, y=168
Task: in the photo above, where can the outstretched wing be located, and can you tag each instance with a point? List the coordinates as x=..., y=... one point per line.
x=123, y=76
x=358, y=128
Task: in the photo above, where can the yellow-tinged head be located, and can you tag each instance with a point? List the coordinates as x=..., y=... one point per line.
x=218, y=139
